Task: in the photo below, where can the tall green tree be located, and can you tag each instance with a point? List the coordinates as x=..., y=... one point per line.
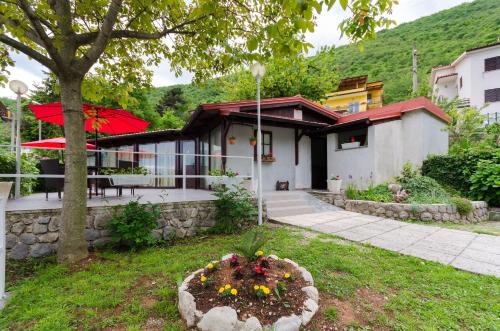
x=173, y=99
x=118, y=39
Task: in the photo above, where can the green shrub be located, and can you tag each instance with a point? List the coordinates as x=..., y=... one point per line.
x=234, y=206
x=379, y=193
x=463, y=205
x=485, y=182
x=423, y=189
x=28, y=166
x=331, y=314
x=251, y=242
x=132, y=227
x=455, y=171
x=351, y=192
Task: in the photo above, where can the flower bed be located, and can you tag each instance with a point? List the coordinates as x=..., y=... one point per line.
x=237, y=293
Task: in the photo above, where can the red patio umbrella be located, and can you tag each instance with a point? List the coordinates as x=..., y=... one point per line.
x=59, y=142
x=97, y=118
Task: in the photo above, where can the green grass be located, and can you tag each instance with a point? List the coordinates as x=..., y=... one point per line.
x=128, y=290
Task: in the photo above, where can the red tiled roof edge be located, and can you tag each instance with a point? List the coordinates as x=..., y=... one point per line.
x=396, y=110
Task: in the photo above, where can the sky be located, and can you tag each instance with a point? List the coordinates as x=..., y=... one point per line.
x=326, y=33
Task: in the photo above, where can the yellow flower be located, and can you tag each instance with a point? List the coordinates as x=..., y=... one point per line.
x=221, y=290
x=203, y=278
x=227, y=287
x=262, y=287
x=234, y=291
x=266, y=291
x=287, y=275
x=210, y=266
x=259, y=253
x=256, y=287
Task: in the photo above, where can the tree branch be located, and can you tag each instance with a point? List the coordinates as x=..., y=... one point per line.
x=29, y=33
x=63, y=10
x=29, y=52
x=35, y=21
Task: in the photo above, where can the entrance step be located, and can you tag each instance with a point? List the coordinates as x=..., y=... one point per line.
x=291, y=203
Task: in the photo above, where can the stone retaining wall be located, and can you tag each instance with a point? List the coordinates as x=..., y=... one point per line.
x=423, y=212
x=329, y=197
x=35, y=233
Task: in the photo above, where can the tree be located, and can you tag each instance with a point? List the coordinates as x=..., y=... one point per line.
x=122, y=37
x=172, y=99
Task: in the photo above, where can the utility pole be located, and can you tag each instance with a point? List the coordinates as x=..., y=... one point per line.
x=414, y=70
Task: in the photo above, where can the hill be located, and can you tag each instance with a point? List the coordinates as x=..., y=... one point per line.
x=439, y=39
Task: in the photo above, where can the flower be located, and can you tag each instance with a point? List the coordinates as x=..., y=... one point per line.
x=210, y=266
x=234, y=291
x=221, y=290
x=256, y=287
x=259, y=253
x=227, y=287
x=203, y=278
x=286, y=275
x=262, y=287
x=266, y=290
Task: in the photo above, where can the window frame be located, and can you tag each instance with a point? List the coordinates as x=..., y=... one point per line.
x=492, y=63
x=264, y=132
x=495, y=92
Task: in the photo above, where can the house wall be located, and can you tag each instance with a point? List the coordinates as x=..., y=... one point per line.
x=390, y=144
x=283, y=169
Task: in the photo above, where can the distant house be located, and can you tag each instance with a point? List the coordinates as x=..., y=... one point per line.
x=4, y=112
x=303, y=143
x=354, y=95
x=474, y=78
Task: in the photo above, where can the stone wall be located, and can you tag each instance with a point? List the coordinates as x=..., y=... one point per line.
x=329, y=197
x=35, y=233
x=423, y=212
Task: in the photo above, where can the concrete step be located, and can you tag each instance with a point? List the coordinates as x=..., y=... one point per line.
x=285, y=203
x=284, y=195
x=289, y=211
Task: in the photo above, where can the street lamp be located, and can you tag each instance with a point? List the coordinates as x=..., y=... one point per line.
x=258, y=71
x=19, y=88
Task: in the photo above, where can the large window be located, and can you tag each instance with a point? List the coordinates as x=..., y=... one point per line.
x=147, y=159
x=353, y=136
x=492, y=95
x=125, y=156
x=267, y=144
x=165, y=165
x=108, y=158
x=493, y=63
x=215, y=149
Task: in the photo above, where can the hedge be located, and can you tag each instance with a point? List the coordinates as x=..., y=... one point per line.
x=454, y=171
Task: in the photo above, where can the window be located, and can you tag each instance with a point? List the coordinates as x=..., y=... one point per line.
x=493, y=63
x=492, y=95
x=369, y=97
x=359, y=135
x=353, y=107
x=461, y=83
x=267, y=143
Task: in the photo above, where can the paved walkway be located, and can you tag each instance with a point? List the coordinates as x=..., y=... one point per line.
x=478, y=253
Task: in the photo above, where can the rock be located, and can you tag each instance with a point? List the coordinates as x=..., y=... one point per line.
x=54, y=224
x=394, y=188
x=101, y=241
x=274, y=257
x=28, y=238
x=425, y=216
x=48, y=237
x=219, y=319
x=38, y=250
x=310, y=308
x=306, y=275
x=91, y=234
x=17, y=228
x=251, y=324
x=19, y=251
x=291, y=262
x=44, y=220
x=168, y=233
x=157, y=234
x=10, y=240
x=187, y=308
x=226, y=257
x=39, y=228
x=288, y=323
x=312, y=293
x=101, y=221
x=403, y=215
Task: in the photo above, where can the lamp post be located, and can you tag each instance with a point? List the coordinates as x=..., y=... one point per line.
x=19, y=88
x=258, y=71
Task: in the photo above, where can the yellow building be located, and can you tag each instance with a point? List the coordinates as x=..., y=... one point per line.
x=355, y=94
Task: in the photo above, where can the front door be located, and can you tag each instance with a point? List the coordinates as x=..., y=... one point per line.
x=318, y=163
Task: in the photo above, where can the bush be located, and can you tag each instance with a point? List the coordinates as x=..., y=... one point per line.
x=423, y=189
x=379, y=193
x=28, y=166
x=251, y=242
x=132, y=227
x=234, y=206
x=455, y=171
x=463, y=205
x=485, y=182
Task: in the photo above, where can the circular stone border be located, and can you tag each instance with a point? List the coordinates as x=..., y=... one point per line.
x=225, y=318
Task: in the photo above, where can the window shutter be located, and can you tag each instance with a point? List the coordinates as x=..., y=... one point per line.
x=492, y=95
x=493, y=63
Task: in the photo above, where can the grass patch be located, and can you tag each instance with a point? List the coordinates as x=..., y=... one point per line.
x=138, y=290
x=331, y=314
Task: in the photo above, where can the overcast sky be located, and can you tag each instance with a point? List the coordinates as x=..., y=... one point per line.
x=326, y=33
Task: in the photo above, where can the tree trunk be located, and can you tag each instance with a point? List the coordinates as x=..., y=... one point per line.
x=72, y=244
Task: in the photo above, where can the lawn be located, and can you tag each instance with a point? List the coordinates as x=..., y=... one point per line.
x=360, y=287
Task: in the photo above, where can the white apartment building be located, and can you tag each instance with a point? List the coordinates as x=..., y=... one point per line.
x=474, y=77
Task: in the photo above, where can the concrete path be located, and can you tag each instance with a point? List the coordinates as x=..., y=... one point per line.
x=478, y=253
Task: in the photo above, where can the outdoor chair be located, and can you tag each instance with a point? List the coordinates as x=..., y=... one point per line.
x=52, y=167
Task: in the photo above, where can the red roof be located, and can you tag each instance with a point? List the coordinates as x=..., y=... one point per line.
x=236, y=105
x=396, y=110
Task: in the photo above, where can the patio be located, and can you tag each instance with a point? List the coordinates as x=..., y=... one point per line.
x=37, y=201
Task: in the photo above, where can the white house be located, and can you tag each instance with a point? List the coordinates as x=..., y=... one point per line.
x=303, y=143
x=473, y=77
